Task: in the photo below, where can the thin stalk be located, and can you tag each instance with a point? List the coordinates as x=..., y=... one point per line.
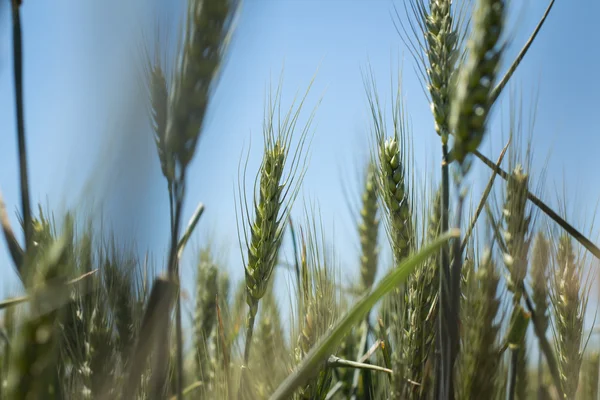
x=584, y=241
x=249, y=334
x=540, y=374
x=173, y=270
x=512, y=374
x=335, y=361
x=544, y=345
x=442, y=355
x=483, y=200
x=296, y=253
x=500, y=86
x=362, y=348
x=336, y=388
x=179, y=333
x=18, y=78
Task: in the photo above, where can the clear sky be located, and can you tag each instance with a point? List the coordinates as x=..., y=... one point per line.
x=78, y=97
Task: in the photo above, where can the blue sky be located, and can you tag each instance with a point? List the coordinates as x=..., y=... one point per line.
x=78, y=99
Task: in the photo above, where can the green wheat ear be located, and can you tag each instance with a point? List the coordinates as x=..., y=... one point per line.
x=479, y=361
x=568, y=308
x=276, y=187
x=205, y=312
x=516, y=231
x=540, y=262
x=319, y=308
x=208, y=29
x=442, y=52
x=33, y=372
x=368, y=229
x=471, y=102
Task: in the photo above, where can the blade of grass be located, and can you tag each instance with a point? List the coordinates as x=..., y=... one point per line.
x=500, y=86
x=483, y=200
x=189, y=229
x=323, y=349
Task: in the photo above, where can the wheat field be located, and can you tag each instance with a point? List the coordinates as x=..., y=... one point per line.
x=482, y=299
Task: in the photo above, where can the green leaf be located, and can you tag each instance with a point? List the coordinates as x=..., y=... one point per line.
x=321, y=351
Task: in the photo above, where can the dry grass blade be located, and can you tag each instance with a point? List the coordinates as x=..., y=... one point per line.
x=189, y=229
x=334, y=361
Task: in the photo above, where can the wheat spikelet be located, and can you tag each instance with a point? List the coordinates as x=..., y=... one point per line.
x=588, y=386
x=159, y=95
x=471, y=104
x=395, y=196
x=118, y=272
x=32, y=372
x=368, y=229
x=441, y=38
x=270, y=359
x=319, y=308
x=208, y=28
x=540, y=262
x=205, y=312
x=516, y=230
x=568, y=308
x=275, y=192
x=479, y=360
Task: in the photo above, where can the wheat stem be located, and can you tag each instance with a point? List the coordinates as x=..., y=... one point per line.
x=18, y=81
